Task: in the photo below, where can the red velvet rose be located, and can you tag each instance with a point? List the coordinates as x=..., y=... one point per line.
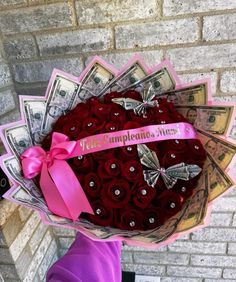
x=127, y=152
x=101, y=111
x=102, y=215
x=131, y=219
x=143, y=194
x=83, y=163
x=72, y=129
x=170, y=202
x=153, y=217
x=111, y=168
x=131, y=170
x=92, y=184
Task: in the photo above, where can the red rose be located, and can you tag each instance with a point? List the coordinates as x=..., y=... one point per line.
x=101, y=111
x=131, y=125
x=127, y=152
x=58, y=126
x=185, y=188
x=83, y=163
x=176, y=145
x=153, y=217
x=133, y=95
x=93, y=102
x=170, y=202
x=92, y=125
x=116, y=193
x=104, y=154
x=72, y=129
x=81, y=110
x=118, y=114
x=171, y=158
x=131, y=170
x=196, y=149
x=139, y=119
x=131, y=219
x=92, y=184
x=102, y=215
x=112, y=126
x=143, y=194
x=111, y=168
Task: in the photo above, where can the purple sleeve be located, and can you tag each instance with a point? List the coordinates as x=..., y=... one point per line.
x=88, y=260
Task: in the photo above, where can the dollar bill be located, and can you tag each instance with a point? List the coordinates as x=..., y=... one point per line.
x=129, y=76
x=61, y=98
x=221, y=150
x=96, y=79
x=34, y=112
x=197, y=205
x=14, y=169
x=18, y=139
x=192, y=95
x=233, y=131
x=22, y=196
x=160, y=81
x=213, y=119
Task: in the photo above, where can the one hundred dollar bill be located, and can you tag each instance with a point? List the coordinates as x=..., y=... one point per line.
x=34, y=112
x=221, y=150
x=160, y=81
x=61, y=98
x=191, y=95
x=219, y=181
x=213, y=119
x=196, y=205
x=96, y=79
x=18, y=139
x=129, y=76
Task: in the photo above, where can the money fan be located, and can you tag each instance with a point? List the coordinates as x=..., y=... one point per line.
x=132, y=155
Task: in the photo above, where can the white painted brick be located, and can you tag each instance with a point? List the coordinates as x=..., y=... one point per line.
x=151, y=58
x=220, y=27
x=78, y=41
x=197, y=247
x=126, y=257
x=66, y=242
x=179, y=7
x=5, y=76
x=60, y=231
x=220, y=261
x=10, y=117
x=203, y=57
x=225, y=204
x=220, y=219
x=234, y=220
x=232, y=248
x=36, y=18
x=175, y=279
x=36, y=238
x=41, y=70
x=143, y=249
x=184, y=237
x=195, y=76
x=228, y=82
x=22, y=238
x=47, y=260
x=20, y=48
x=37, y=259
x=225, y=99
x=160, y=33
x=94, y=12
x=218, y=280
x=7, y=102
x=215, y=234
x=229, y=273
x=161, y=258
x=144, y=269
x=190, y=271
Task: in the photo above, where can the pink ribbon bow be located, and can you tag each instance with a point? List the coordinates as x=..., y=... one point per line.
x=60, y=187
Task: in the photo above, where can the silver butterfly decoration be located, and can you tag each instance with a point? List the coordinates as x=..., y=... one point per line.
x=170, y=175
x=139, y=108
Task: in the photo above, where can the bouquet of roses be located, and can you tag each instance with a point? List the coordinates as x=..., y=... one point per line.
x=132, y=155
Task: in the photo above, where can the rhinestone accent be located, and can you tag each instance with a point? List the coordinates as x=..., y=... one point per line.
x=90, y=124
x=177, y=141
x=151, y=220
x=129, y=149
x=72, y=128
x=132, y=223
x=132, y=169
x=163, y=122
x=172, y=205
x=116, y=114
x=91, y=183
x=160, y=111
x=196, y=147
x=117, y=192
x=183, y=189
x=112, y=128
x=173, y=156
x=144, y=192
x=98, y=211
x=80, y=157
x=113, y=166
x=100, y=109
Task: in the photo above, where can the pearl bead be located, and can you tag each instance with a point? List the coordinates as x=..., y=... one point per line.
x=151, y=220
x=196, y=147
x=117, y=192
x=90, y=124
x=98, y=211
x=144, y=192
x=132, y=169
x=173, y=156
x=132, y=223
x=129, y=149
x=172, y=205
x=80, y=157
x=183, y=189
x=91, y=183
x=113, y=166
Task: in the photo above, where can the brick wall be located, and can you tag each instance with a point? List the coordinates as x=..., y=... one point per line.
x=198, y=36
